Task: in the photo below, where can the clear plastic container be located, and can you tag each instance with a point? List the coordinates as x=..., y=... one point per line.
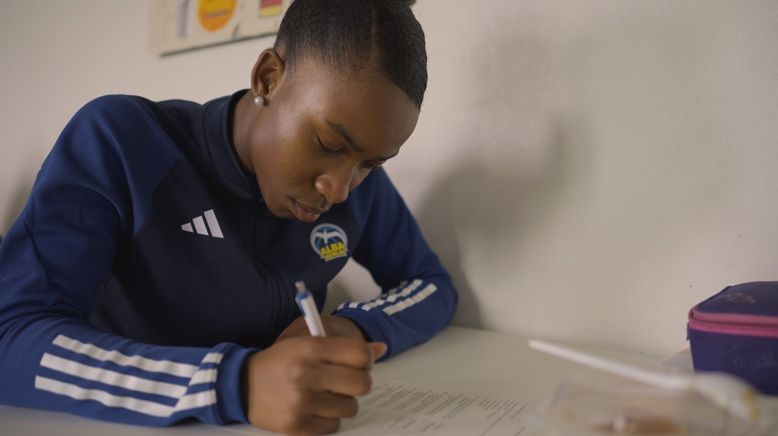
x=597, y=404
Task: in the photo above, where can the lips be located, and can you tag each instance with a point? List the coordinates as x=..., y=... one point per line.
x=305, y=213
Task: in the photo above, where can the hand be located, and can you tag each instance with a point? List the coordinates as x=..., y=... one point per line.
x=333, y=326
x=305, y=385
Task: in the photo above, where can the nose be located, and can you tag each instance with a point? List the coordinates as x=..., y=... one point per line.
x=336, y=183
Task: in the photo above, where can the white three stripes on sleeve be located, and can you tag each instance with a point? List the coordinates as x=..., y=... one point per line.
x=112, y=378
x=140, y=362
x=109, y=377
x=187, y=402
x=396, y=300
x=408, y=302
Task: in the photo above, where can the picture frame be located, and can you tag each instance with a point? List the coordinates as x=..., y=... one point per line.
x=182, y=25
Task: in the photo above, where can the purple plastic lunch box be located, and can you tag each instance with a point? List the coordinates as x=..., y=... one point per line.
x=736, y=331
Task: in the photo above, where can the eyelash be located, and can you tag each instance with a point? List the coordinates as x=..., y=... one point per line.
x=325, y=148
x=329, y=150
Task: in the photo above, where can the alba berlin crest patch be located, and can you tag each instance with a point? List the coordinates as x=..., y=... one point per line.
x=329, y=241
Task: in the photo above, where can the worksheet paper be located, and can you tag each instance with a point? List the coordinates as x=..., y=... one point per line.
x=396, y=408
x=400, y=408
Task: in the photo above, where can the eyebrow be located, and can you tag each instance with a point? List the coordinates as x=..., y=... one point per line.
x=350, y=141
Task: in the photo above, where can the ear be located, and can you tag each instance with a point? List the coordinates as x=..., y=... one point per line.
x=267, y=73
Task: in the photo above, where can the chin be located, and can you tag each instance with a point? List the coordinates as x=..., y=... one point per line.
x=278, y=212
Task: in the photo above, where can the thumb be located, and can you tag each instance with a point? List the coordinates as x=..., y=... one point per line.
x=377, y=349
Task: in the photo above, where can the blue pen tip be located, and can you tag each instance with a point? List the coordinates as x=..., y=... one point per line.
x=300, y=285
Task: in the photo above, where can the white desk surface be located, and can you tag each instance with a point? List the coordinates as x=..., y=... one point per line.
x=469, y=360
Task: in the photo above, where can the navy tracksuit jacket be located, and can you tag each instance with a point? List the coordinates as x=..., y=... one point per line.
x=145, y=268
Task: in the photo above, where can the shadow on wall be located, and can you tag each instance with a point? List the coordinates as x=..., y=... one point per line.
x=496, y=206
x=521, y=157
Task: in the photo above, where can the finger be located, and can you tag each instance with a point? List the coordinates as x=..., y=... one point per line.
x=331, y=405
x=338, y=379
x=340, y=350
x=312, y=425
x=377, y=350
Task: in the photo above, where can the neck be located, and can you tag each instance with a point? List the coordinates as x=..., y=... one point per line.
x=245, y=111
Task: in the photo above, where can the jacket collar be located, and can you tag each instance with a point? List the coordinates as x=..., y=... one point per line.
x=217, y=127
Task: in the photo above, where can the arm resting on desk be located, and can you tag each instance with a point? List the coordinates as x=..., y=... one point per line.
x=52, y=264
x=418, y=298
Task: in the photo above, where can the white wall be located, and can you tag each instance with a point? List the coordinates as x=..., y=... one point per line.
x=587, y=170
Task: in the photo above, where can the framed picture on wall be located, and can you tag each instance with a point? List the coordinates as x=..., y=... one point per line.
x=180, y=25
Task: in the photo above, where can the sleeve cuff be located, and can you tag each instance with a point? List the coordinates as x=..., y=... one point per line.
x=228, y=385
x=370, y=327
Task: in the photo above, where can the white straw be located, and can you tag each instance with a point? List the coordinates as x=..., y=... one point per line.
x=665, y=381
x=726, y=391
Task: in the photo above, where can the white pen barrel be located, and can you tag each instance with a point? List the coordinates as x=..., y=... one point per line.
x=312, y=318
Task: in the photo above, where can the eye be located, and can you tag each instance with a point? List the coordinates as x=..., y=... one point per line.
x=326, y=149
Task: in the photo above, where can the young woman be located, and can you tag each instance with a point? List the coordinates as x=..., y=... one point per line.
x=150, y=276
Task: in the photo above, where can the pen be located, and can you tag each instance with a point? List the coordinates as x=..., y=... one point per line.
x=308, y=307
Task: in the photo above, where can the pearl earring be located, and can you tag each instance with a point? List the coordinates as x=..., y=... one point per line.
x=259, y=100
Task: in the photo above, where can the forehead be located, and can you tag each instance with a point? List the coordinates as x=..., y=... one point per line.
x=377, y=113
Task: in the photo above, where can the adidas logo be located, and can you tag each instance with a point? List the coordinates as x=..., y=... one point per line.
x=198, y=225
